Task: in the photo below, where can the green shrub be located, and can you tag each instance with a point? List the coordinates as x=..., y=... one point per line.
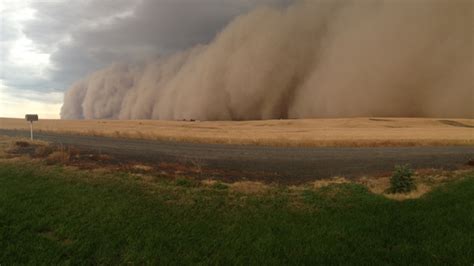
x=402, y=180
x=184, y=182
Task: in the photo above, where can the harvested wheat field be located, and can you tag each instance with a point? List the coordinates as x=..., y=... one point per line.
x=358, y=132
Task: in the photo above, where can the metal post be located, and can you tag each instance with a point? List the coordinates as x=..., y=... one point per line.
x=31, y=118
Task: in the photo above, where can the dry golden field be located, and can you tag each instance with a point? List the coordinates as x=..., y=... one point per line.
x=310, y=132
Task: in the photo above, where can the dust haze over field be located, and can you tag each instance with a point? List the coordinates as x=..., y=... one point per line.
x=309, y=59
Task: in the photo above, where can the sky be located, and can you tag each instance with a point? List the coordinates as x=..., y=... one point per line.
x=47, y=45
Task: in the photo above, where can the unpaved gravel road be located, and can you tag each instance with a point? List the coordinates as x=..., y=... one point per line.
x=270, y=164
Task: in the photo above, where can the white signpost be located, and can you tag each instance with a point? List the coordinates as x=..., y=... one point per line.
x=31, y=119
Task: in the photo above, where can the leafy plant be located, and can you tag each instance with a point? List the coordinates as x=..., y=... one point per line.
x=402, y=180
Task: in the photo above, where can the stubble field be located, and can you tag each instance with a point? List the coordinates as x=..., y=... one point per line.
x=310, y=132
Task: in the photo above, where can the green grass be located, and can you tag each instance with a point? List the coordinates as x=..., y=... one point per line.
x=55, y=216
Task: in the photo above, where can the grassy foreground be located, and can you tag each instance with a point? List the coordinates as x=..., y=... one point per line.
x=55, y=215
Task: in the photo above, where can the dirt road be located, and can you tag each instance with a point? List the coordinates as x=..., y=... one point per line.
x=272, y=164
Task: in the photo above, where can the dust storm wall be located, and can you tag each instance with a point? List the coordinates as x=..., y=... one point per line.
x=310, y=59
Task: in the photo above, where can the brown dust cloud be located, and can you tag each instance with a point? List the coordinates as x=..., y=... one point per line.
x=310, y=59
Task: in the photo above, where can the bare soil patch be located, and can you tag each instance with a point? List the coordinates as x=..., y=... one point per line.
x=249, y=187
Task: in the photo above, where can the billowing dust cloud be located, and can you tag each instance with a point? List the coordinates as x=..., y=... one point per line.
x=310, y=59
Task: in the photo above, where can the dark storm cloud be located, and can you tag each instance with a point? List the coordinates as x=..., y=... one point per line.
x=83, y=36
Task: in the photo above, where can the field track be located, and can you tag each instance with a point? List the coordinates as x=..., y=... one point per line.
x=270, y=164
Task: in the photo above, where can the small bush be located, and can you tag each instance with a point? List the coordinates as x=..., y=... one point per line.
x=23, y=147
x=184, y=182
x=402, y=180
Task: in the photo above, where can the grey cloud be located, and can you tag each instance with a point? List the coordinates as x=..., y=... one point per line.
x=87, y=35
x=56, y=19
x=7, y=32
x=21, y=78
